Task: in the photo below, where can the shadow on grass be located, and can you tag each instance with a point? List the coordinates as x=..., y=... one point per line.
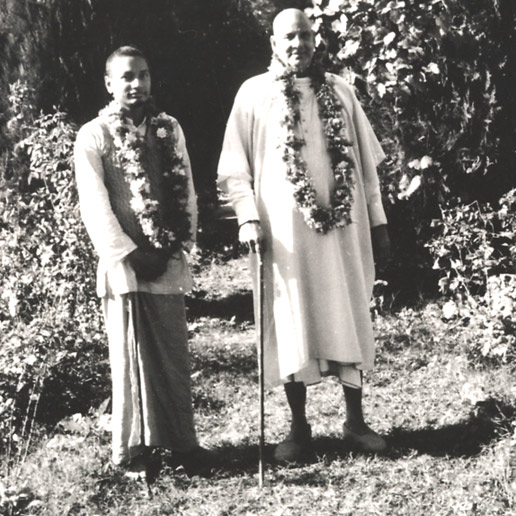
x=238, y=305
x=230, y=461
x=489, y=420
x=202, y=402
x=241, y=460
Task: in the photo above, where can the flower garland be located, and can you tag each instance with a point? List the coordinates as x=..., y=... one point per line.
x=317, y=217
x=167, y=227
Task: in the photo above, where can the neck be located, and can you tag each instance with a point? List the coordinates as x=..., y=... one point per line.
x=137, y=115
x=280, y=69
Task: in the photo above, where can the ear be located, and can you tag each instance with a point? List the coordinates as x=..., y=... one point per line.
x=273, y=43
x=107, y=82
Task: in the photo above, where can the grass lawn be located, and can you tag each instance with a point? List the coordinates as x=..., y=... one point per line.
x=450, y=429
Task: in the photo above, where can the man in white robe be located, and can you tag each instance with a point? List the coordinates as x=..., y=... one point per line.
x=141, y=286
x=318, y=286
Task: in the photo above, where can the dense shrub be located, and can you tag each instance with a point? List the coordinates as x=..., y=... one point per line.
x=475, y=255
x=436, y=79
x=53, y=352
x=472, y=243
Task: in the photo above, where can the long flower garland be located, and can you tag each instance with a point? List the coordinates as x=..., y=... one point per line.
x=317, y=217
x=167, y=227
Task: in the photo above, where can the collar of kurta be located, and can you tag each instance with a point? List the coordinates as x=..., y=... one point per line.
x=142, y=128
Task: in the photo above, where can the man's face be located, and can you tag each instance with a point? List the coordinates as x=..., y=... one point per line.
x=293, y=41
x=129, y=81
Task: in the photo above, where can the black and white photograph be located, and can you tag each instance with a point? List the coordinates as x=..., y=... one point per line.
x=257, y=257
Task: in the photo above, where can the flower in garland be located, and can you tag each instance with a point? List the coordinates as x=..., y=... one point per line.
x=167, y=227
x=338, y=214
x=161, y=132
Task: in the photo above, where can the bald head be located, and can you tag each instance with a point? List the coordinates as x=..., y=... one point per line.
x=292, y=40
x=287, y=16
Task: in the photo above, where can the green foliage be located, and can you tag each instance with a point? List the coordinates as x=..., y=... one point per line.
x=496, y=320
x=51, y=333
x=463, y=249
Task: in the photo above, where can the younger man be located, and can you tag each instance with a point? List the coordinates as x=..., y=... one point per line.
x=138, y=205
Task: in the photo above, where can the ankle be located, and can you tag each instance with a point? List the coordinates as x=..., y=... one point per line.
x=299, y=421
x=300, y=433
x=357, y=425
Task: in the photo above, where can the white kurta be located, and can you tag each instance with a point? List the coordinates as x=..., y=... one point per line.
x=317, y=287
x=145, y=320
x=114, y=274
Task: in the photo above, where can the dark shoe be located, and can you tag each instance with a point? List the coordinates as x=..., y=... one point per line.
x=369, y=441
x=297, y=446
x=198, y=461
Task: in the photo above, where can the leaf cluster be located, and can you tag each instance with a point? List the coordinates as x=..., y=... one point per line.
x=472, y=243
x=435, y=78
x=51, y=335
x=474, y=249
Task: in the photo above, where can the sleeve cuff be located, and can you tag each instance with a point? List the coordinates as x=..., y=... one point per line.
x=245, y=210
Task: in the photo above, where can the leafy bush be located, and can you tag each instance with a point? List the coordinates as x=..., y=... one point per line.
x=53, y=353
x=475, y=253
x=463, y=249
x=496, y=318
x=472, y=243
x=434, y=75
x=435, y=78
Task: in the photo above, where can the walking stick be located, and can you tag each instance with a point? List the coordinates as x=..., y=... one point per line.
x=259, y=327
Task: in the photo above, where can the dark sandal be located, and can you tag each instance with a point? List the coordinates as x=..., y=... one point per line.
x=297, y=445
x=369, y=441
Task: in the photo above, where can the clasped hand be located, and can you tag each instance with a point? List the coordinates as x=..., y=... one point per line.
x=148, y=265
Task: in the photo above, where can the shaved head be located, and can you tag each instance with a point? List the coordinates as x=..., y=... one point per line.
x=287, y=16
x=292, y=40
x=125, y=51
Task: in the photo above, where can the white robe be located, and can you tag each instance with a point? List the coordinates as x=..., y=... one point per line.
x=317, y=287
